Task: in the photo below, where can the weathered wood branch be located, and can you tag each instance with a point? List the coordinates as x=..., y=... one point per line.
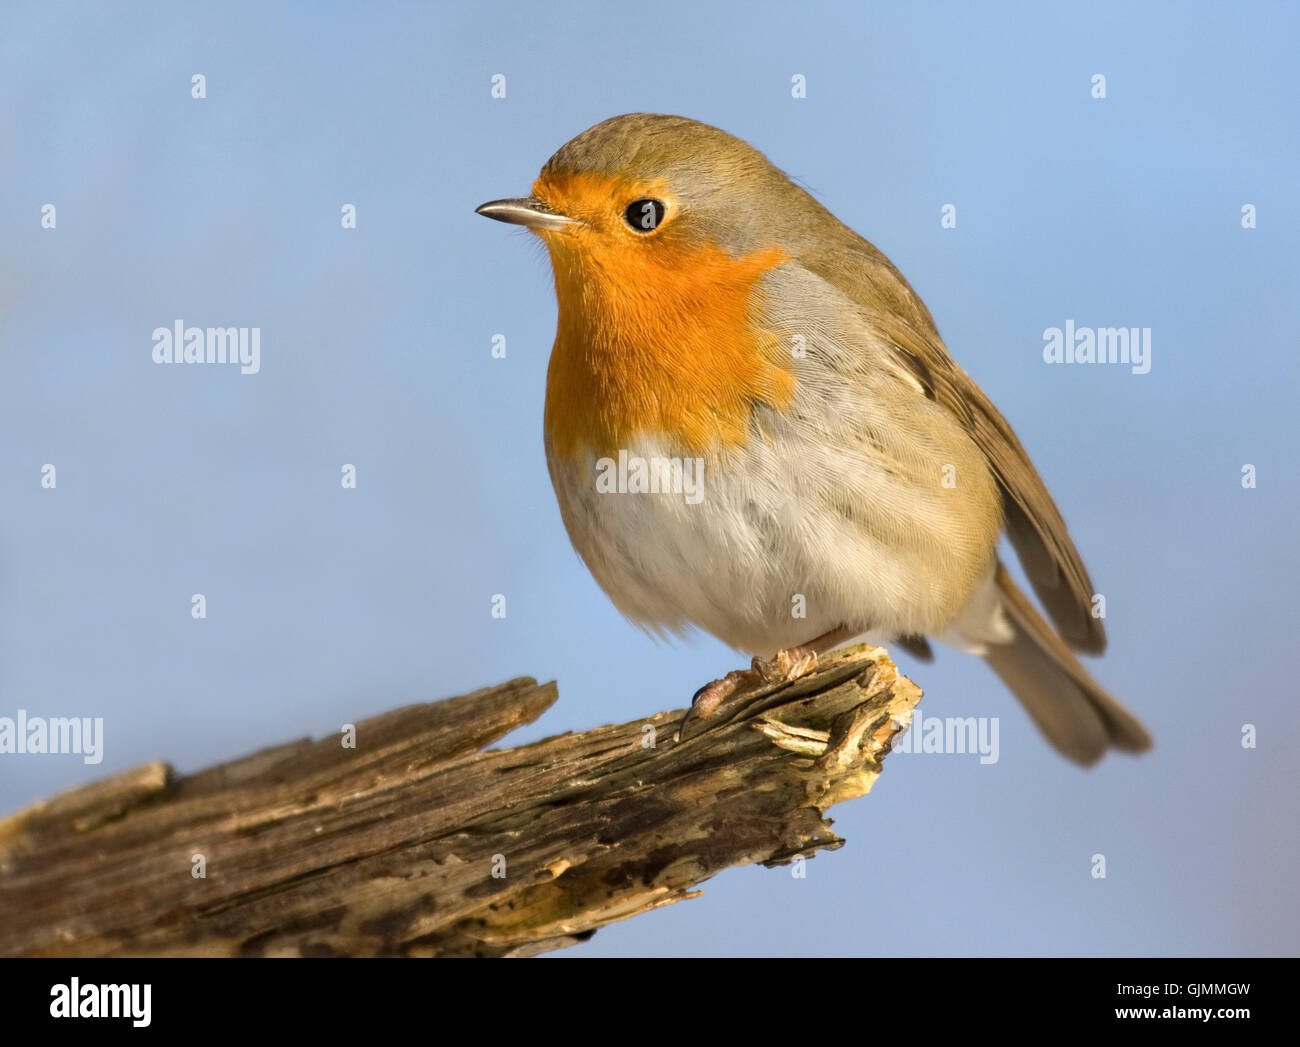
x=419, y=842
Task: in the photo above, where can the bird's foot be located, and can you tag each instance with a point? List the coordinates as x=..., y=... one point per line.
x=786, y=666
x=724, y=696
x=710, y=699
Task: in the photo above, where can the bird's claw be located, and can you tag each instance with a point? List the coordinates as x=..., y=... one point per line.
x=724, y=695
x=786, y=666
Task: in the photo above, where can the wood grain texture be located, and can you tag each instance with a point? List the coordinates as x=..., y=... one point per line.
x=420, y=841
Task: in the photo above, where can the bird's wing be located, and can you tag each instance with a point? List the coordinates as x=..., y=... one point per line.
x=1033, y=523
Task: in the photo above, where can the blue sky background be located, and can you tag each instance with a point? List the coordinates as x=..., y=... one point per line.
x=326, y=605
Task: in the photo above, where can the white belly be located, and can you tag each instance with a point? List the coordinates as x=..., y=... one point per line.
x=783, y=541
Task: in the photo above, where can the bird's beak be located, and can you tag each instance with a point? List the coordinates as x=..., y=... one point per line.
x=528, y=211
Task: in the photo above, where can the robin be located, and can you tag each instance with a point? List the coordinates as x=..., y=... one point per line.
x=719, y=325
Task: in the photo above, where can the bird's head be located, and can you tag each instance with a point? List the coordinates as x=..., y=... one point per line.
x=660, y=230
x=651, y=187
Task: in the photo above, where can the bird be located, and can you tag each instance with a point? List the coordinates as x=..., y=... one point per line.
x=717, y=323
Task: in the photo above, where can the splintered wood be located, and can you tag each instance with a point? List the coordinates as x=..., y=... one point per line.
x=421, y=841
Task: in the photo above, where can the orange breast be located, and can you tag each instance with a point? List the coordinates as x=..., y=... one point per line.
x=657, y=340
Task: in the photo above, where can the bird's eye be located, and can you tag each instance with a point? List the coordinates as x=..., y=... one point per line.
x=645, y=215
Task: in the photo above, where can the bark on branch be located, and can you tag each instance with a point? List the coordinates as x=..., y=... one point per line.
x=390, y=848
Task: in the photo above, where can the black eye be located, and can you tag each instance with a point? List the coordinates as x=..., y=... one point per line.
x=645, y=215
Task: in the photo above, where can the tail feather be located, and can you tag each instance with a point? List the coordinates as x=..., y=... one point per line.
x=1078, y=717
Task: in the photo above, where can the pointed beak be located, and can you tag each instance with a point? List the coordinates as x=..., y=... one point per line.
x=527, y=211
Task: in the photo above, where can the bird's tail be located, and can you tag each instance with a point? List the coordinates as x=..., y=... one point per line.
x=1078, y=717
